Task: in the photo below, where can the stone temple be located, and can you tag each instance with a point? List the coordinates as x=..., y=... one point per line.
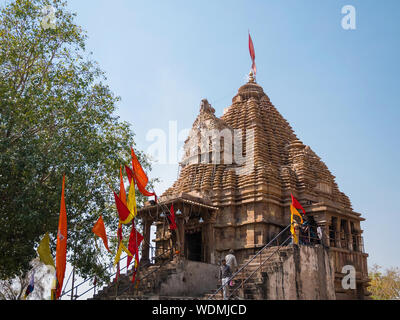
x=234, y=192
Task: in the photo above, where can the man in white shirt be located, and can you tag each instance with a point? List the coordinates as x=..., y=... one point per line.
x=231, y=261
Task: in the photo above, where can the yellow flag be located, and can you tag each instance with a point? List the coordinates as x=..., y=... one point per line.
x=53, y=287
x=44, y=251
x=118, y=256
x=132, y=199
x=292, y=230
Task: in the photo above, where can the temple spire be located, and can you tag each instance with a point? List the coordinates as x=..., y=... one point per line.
x=252, y=78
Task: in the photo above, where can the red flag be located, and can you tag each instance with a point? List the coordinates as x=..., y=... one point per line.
x=100, y=231
x=297, y=205
x=135, y=240
x=171, y=218
x=252, y=55
x=125, y=215
x=61, y=251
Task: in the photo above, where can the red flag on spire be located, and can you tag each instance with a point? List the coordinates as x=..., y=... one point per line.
x=252, y=55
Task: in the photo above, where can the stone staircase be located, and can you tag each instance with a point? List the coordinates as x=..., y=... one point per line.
x=152, y=278
x=124, y=290
x=162, y=282
x=254, y=288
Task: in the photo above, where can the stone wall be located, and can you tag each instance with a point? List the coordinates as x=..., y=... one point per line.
x=189, y=279
x=307, y=274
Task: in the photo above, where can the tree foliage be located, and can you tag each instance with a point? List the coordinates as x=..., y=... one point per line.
x=56, y=117
x=384, y=285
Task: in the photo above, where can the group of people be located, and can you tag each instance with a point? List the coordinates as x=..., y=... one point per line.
x=228, y=267
x=307, y=233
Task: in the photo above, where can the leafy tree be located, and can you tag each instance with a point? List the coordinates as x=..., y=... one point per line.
x=56, y=117
x=384, y=286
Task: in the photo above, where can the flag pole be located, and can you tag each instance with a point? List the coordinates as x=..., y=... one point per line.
x=73, y=283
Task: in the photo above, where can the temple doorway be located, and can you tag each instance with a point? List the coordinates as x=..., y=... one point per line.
x=193, y=246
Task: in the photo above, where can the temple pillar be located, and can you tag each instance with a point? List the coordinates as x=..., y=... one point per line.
x=338, y=235
x=349, y=236
x=180, y=235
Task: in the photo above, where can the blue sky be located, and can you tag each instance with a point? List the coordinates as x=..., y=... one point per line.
x=339, y=89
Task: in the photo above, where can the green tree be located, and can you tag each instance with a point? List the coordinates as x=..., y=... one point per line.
x=56, y=117
x=384, y=285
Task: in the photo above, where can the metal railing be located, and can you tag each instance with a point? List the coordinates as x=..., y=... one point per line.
x=88, y=279
x=241, y=285
x=75, y=297
x=252, y=259
x=140, y=279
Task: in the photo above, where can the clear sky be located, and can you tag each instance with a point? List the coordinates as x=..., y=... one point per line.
x=339, y=89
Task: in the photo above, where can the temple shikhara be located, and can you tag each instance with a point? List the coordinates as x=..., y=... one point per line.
x=234, y=192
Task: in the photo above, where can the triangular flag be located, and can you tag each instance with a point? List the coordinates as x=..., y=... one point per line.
x=44, y=251
x=132, y=200
x=294, y=212
x=292, y=221
x=100, y=230
x=297, y=204
x=139, y=176
x=61, y=253
x=135, y=239
x=120, y=249
x=125, y=216
x=252, y=55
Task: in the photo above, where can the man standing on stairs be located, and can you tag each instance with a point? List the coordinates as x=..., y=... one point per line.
x=231, y=260
x=224, y=274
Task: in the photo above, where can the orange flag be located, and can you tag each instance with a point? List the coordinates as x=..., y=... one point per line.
x=61, y=252
x=100, y=231
x=140, y=176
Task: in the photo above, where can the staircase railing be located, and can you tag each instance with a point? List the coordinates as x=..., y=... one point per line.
x=241, y=285
x=140, y=279
x=163, y=254
x=88, y=279
x=252, y=259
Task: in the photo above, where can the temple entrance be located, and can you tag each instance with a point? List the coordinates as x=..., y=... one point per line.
x=193, y=246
